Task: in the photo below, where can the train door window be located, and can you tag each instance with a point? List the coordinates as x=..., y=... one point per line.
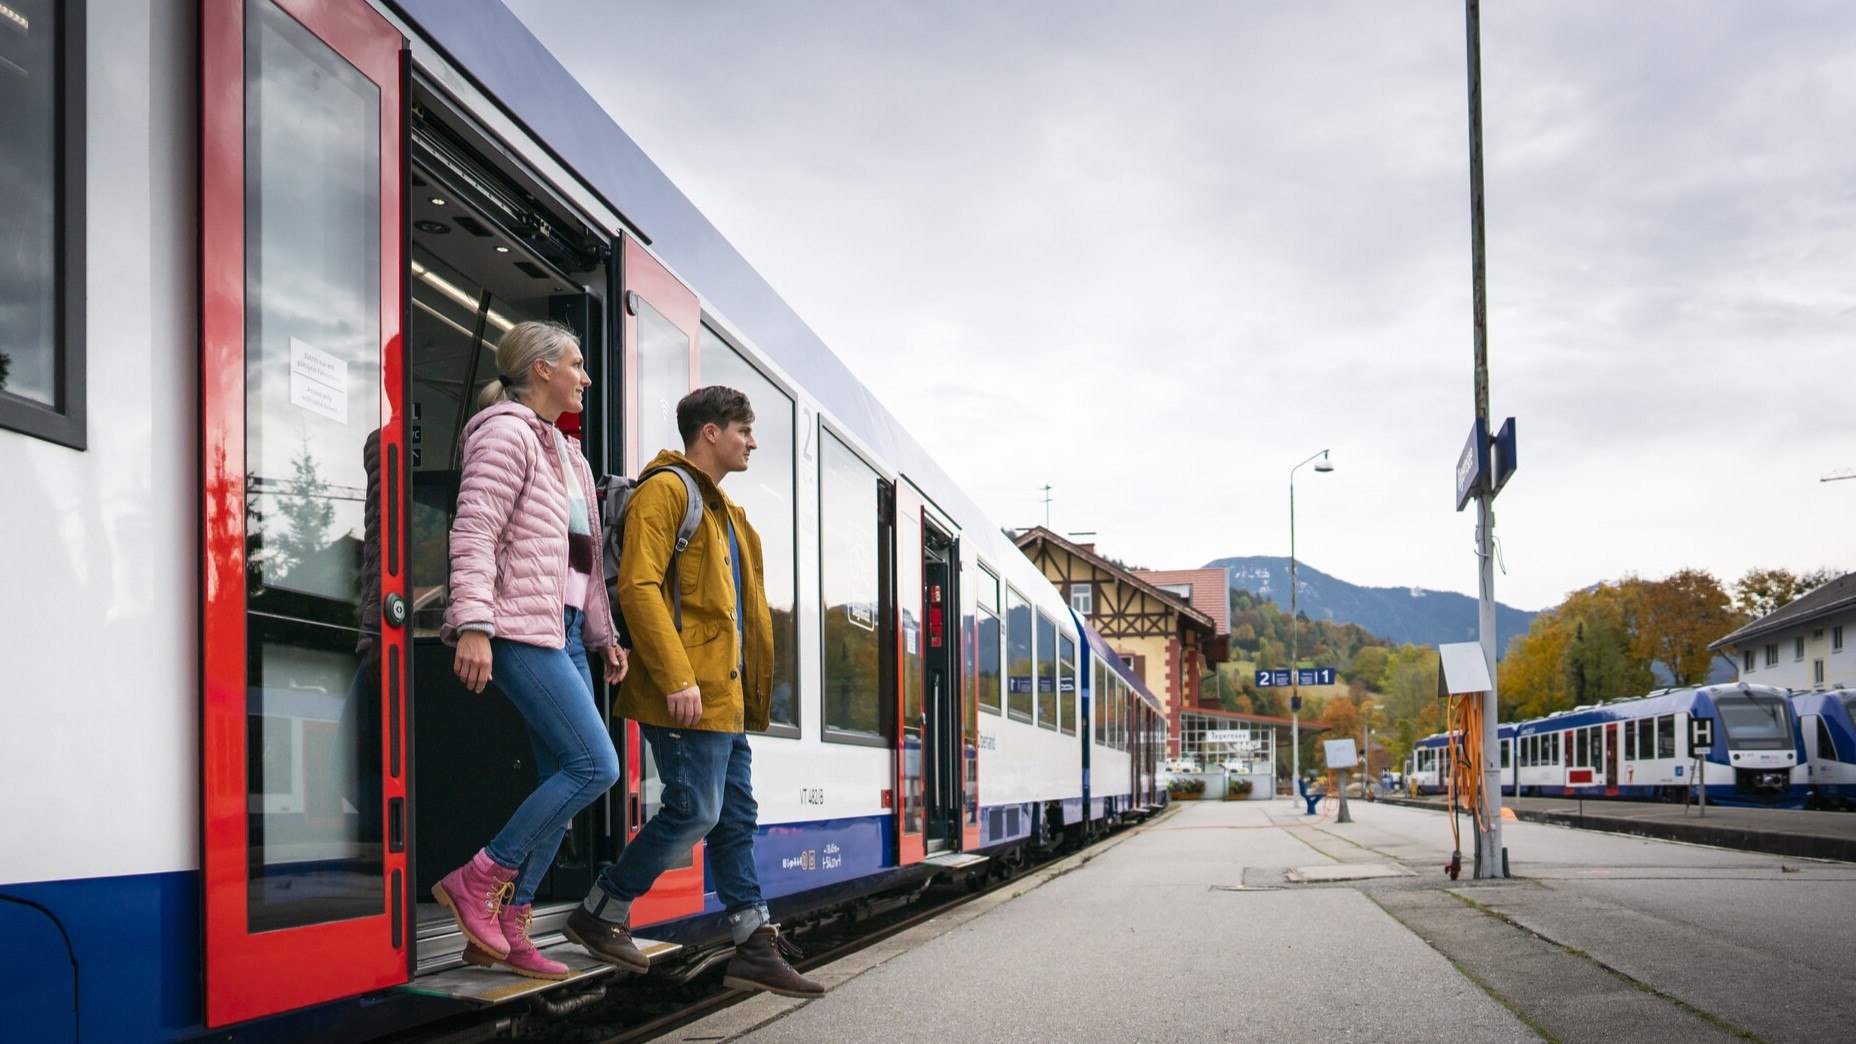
x=1826, y=744
x=849, y=558
x=987, y=645
x=1066, y=683
x=1630, y=741
x=42, y=220
x=767, y=491
x=1666, y=736
x=1019, y=666
x=1046, y=655
x=1581, y=749
x=663, y=378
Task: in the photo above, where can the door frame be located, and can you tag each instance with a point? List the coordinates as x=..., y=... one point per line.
x=247, y=975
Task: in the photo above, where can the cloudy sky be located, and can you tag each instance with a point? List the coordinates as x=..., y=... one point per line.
x=1155, y=254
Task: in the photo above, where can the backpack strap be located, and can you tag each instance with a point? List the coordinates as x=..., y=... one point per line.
x=686, y=531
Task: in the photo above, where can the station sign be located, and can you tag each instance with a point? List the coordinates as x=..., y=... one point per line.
x=1501, y=460
x=1283, y=677
x=1701, y=735
x=1472, y=465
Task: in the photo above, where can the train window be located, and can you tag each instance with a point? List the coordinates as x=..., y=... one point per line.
x=1581, y=749
x=42, y=220
x=1046, y=653
x=663, y=379
x=1097, y=697
x=848, y=557
x=1666, y=736
x=988, y=642
x=1646, y=738
x=1630, y=741
x=766, y=492
x=1066, y=683
x=1826, y=744
x=1507, y=753
x=1018, y=665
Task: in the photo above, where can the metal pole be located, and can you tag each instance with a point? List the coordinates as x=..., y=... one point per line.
x=1489, y=861
x=1295, y=673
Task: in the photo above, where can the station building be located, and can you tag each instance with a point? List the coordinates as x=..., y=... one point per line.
x=1168, y=638
x=1804, y=644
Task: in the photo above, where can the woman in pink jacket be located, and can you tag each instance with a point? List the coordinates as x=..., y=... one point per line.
x=527, y=601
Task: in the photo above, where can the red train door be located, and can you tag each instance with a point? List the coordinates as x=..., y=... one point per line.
x=911, y=718
x=1611, y=760
x=303, y=710
x=661, y=318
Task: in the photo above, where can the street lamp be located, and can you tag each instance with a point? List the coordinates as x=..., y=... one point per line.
x=1295, y=668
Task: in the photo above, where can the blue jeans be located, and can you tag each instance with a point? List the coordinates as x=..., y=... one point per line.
x=574, y=757
x=708, y=794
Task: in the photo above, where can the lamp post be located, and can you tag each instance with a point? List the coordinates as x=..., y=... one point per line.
x=1295, y=667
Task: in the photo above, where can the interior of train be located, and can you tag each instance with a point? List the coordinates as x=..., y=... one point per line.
x=489, y=249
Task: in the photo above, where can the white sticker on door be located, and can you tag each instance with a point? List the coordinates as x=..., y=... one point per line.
x=318, y=381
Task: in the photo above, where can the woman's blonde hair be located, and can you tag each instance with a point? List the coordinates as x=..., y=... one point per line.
x=517, y=353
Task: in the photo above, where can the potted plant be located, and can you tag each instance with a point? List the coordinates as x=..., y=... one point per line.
x=1237, y=788
x=1187, y=789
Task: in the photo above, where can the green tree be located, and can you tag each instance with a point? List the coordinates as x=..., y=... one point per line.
x=1761, y=591
x=1369, y=666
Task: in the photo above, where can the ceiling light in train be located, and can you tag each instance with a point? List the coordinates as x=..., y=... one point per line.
x=444, y=286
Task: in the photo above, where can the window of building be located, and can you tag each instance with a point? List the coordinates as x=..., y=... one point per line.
x=1817, y=634
x=1666, y=736
x=1817, y=672
x=1772, y=654
x=1082, y=599
x=1046, y=654
x=1066, y=683
x=987, y=638
x=42, y=219
x=767, y=492
x=1182, y=591
x=849, y=553
x=1836, y=638
x=1798, y=648
x=1019, y=666
x=1746, y=661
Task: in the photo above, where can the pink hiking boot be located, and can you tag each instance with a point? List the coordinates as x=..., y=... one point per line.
x=474, y=894
x=524, y=958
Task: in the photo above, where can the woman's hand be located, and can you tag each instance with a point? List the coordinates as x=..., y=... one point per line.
x=615, y=662
x=472, y=662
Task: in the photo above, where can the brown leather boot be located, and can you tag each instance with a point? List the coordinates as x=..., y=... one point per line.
x=606, y=940
x=760, y=964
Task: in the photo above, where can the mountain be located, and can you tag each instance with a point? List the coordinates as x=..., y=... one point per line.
x=1404, y=614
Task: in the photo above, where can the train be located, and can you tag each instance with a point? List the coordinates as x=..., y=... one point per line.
x=265, y=248
x=1639, y=748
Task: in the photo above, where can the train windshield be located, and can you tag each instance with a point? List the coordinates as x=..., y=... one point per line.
x=1755, y=722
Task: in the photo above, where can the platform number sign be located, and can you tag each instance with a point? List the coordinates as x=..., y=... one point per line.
x=1701, y=735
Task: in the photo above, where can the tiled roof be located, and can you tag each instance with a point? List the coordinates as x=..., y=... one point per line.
x=1211, y=590
x=1833, y=596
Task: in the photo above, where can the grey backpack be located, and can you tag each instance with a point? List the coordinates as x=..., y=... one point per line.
x=615, y=494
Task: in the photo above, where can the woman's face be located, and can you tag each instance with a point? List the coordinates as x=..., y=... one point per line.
x=560, y=386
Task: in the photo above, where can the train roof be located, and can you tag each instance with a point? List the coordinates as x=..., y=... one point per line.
x=512, y=66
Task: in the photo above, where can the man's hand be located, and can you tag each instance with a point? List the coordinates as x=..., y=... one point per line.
x=685, y=706
x=472, y=662
x=614, y=661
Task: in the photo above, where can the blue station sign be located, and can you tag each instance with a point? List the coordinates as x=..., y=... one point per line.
x=1282, y=678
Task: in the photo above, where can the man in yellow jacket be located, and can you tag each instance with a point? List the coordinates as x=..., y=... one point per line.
x=695, y=692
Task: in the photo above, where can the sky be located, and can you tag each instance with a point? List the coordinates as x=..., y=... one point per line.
x=1155, y=255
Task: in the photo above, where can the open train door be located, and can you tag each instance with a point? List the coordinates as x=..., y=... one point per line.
x=303, y=722
x=660, y=320
x=911, y=718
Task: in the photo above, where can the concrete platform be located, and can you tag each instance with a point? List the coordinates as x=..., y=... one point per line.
x=1249, y=921
x=1791, y=832
x=1153, y=937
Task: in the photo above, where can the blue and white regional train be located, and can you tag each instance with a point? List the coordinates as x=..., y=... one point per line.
x=1827, y=727
x=1639, y=748
x=257, y=253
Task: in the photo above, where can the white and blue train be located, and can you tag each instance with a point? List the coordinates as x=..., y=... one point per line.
x=1827, y=727
x=1639, y=748
x=257, y=251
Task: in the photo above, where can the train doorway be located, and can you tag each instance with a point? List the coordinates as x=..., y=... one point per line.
x=942, y=745
x=488, y=249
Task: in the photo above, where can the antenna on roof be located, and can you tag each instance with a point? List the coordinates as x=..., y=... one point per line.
x=1839, y=474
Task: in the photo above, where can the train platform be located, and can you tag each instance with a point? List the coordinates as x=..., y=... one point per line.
x=1789, y=832
x=1251, y=921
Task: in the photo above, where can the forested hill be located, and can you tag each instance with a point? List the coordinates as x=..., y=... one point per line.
x=1406, y=615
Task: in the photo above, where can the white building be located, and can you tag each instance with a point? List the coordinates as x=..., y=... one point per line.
x=1804, y=644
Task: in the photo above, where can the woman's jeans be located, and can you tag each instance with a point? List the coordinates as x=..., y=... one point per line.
x=574, y=756
x=708, y=793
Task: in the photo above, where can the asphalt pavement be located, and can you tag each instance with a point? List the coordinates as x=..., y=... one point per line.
x=1247, y=921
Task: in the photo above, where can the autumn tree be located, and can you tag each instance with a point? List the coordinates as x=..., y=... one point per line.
x=1532, y=678
x=1676, y=619
x=1761, y=591
x=1601, y=663
x=1369, y=666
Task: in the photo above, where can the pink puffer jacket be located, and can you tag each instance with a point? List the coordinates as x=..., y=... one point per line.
x=509, y=540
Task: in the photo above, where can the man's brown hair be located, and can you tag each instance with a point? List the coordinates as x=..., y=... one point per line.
x=715, y=405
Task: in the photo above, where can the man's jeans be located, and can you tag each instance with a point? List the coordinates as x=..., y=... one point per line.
x=708, y=793
x=574, y=757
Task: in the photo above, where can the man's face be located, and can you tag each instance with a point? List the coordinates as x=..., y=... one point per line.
x=733, y=444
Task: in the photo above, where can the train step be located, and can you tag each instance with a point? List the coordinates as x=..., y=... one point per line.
x=956, y=860
x=488, y=987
